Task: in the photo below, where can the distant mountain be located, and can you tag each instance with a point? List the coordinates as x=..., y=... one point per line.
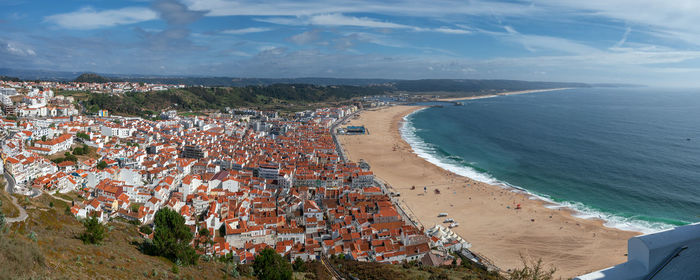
x=6, y=78
x=242, y=82
x=43, y=75
x=92, y=78
x=426, y=85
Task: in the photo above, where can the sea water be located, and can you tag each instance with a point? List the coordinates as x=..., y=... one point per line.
x=630, y=156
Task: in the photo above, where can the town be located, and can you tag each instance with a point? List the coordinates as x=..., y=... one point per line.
x=251, y=178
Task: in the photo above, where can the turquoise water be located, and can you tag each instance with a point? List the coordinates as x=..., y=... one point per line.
x=630, y=156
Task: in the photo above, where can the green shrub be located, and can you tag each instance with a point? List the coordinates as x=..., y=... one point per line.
x=146, y=229
x=94, y=231
x=269, y=265
x=171, y=238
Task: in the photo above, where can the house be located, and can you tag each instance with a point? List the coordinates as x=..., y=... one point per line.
x=439, y=258
x=55, y=145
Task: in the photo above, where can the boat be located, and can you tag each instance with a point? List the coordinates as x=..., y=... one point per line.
x=459, y=104
x=442, y=215
x=454, y=225
x=449, y=220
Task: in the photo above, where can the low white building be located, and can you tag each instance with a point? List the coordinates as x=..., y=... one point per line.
x=116, y=131
x=670, y=254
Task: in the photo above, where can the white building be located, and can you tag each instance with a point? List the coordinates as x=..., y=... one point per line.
x=116, y=131
x=670, y=254
x=52, y=146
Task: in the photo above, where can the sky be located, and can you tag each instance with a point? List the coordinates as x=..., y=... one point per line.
x=648, y=42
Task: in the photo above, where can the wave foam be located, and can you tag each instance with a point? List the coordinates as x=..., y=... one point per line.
x=455, y=165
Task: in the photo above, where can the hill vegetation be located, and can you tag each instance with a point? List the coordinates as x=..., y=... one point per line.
x=92, y=78
x=11, y=79
x=202, y=98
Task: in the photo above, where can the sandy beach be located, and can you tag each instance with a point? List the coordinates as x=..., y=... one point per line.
x=486, y=214
x=502, y=93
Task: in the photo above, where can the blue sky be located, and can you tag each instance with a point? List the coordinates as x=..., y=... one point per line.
x=642, y=41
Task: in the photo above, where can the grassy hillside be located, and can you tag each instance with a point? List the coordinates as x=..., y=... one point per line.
x=411, y=271
x=46, y=246
x=6, y=207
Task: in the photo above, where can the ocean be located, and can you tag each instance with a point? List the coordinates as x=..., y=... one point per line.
x=629, y=156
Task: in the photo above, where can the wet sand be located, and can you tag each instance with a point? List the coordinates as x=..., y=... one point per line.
x=486, y=214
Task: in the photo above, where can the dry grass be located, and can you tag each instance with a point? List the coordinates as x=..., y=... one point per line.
x=381, y=271
x=21, y=258
x=7, y=208
x=66, y=257
x=92, y=153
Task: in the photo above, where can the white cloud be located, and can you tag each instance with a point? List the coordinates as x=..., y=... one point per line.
x=335, y=19
x=448, y=30
x=671, y=19
x=89, y=18
x=623, y=39
x=343, y=20
x=536, y=43
x=305, y=37
x=405, y=7
x=16, y=49
x=246, y=30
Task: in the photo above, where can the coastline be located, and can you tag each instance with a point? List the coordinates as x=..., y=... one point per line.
x=486, y=213
x=502, y=93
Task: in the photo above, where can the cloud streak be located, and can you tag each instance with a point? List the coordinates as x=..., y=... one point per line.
x=248, y=30
x=88, y=18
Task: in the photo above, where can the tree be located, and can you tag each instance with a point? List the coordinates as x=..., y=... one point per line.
x=71, y=158
x=172, y=238
x=269, y=265
x=204, y=232
x=94, y=231
x=2, y=221
x=82, y=135
x=102, y=165
x=43, y=138
x=299, y=265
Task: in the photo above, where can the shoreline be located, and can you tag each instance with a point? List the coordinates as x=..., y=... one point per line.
x=487, y=179
x=500, y=94
x=486, y=213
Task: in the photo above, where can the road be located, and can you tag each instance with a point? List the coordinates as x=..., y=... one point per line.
x=334, y=274
x=339, y=148
x=9, y=188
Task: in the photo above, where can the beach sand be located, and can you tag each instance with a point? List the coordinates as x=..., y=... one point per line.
x=502, y=93
x=574, y=246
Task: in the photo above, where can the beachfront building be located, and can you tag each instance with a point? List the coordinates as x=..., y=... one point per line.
x=355, y=130
x=670, y=254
